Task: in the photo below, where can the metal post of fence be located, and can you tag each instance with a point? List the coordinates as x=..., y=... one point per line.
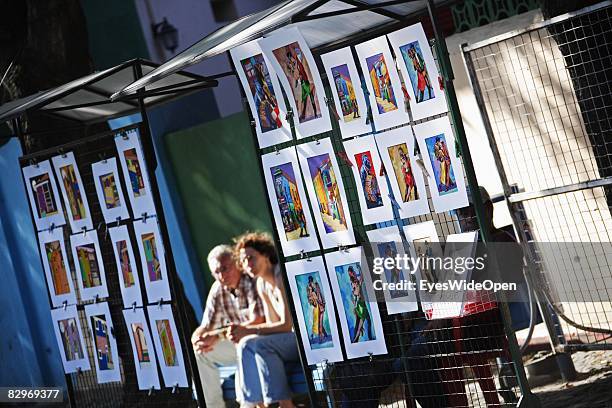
x=528, y=399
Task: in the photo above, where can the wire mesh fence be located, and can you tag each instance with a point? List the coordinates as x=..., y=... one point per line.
x=545, y=96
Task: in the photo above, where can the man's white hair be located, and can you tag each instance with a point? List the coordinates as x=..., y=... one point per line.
x=217, y=253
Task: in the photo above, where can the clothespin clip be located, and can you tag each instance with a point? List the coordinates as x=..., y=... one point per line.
x=289, y=115
x=317, y=141
x=276, y=151
x=62, y=153
x=84, y=229
x=125, y=136
x=371, y=355
x=345, y=159
x=79, y=371
x=102, y=158
x=151, y=391
x=134, y=307
x=96, y=299
x=383, y=171
x=144, y=217
x=34, y=163
x=174, y=388
x=159, y=303
x=440, y=83
x=112, y=331
x=416, y=151
x=422, y=166
x=369, y=117
x=118, y=220
x=342, y=248
x=65, y=305
x=332, y=108
x=52, y=227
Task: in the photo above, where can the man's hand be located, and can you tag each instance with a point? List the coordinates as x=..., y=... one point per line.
x=236, y=332
x=202, y=341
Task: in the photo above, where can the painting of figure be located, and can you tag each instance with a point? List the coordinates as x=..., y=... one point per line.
x=403, y=172
x=135, y=172
x=441, y=163
x=417, y=71
x=381, y=83
x=109, y=188
x=59, y=275
x=44, y=198
x=393, y=274
x=102, y=345
x=346, y=93
x=369, y=181
x=296, y=68
x=314, y=309
x=164, y=330
x=263, y=92
x=88, y=264
x=327, y=192
x=152, y=258
x=355, y=302
x=289, y=202
x=71, y=341
x=73, y=192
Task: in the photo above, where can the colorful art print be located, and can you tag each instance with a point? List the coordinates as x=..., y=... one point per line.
x=295, y=66
x=46, y=202
x=289, y=202
x=327, y=192
x=381, y=83
x=355, y=302
x=73, y=192
x=442, y=165
x=102, y=344
x=403, y=172
x=88, y=265
x=109, y=189
x=140, y=343
x=124, y=261
x=314, y=310
x=346, y=92
x=71, y=339
x=369, y=181
x=134, y=172
x=260, y=84
x=59, y=275
x=417, y=71
x=149, y=244
x=393, y=274
x=166, y=337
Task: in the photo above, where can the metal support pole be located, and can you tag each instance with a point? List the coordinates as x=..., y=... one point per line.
x=528, y=399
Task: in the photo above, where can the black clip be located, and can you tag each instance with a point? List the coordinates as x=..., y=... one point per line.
x=96, y=299
x=52, y=227
x=62, y=153
x=34, y=163
x=371, y=355
x=102, y=158
x=134, y=307
x=159, y=303
x=84, y=229
x=289, y=115
x=174, y=388
x=151, y=390
x=65, y=305
x=125, y=136
x=276, y=151
x=144, y=217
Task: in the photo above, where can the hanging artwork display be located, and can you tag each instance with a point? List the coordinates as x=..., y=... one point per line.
x=288, y=200
x=88, y=265
x=405, y=175
x=383, y=83
x=167, y=345
x=106, y=354
x=347, y=92
x=417, y=65
x=126, y=266
x=110, y=193
x=357, y=308
x=313, y=302
x=446, y=182
x=326, y=192
x=260, y=84
x=55, y=264
x=423, y=242
x=387, y=244
x=69, y=335
x=73, y=192
x=44, y=195
x=152, y=259
x=135, y=173
x=145, y=361
x=292, y=60
x=372, y=187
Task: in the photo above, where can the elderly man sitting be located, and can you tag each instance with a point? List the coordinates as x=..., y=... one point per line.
x=232, y=300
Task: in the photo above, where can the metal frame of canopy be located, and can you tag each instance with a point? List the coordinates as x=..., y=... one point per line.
x=202, y=51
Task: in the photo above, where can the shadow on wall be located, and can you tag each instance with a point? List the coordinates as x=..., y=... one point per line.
x=218, y=179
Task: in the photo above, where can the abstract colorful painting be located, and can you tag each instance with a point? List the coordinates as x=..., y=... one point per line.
x=346, y=92
x=442, y=165
x=73, y=191
x=152, y=259
x=143, y=354
x=369, y=180
x=70, y=338
x=88, y=265
x=289, y=202
x=328, y=195
x=402, y=169
x=59, y=275
x=263, y=92
x=134, y=172
x=381, y=83
x=167, y=345
x=126, y=267
x=46, y=202
x=417, y=71
x=314, y=309
x=109, y=187
x=167, y=342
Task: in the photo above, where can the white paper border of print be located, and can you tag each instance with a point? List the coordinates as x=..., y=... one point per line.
x=175, y=375
x=369, y=215
x=131, y=295
x=391, y=138
x=274, y=136
x=403, y=37
x=101, y=168
x=398, y=116
x=361, y=349
x=295, y=246
x=159, y=289
x=408, y=303
x=34, y=170
x=357, y=126
x=74, y=365
x=96, y=309
x=300, y=267
x=86, y=238
x=59, y=162
x=281, y=38
x=147, y=377
x=433, y=128
x=45, y=237
x=320, y=147
x=124, y=141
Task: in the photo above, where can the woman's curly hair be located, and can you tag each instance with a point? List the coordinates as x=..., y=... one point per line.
x=260, y=241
